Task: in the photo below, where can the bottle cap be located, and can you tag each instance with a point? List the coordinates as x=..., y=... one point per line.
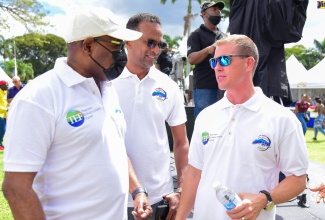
x=217, y=185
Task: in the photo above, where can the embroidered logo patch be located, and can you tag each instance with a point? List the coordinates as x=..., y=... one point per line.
x=160, y=94
x=263, y=142
x=75, y=118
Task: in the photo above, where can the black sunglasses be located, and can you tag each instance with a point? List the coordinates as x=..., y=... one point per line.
x=152, y=44
x=223, y=60
x=116, y=42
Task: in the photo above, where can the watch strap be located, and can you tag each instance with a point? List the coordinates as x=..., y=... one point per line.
x=178, y=190
x=139, y=190
x=267, y=194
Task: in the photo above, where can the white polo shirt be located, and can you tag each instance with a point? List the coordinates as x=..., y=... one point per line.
x=61, y=127
x=244, y=147
x=147, y=104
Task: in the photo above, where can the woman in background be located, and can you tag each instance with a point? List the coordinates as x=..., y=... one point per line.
x=301, y=110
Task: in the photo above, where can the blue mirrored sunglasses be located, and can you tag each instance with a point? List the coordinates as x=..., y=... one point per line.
x=223, y=60
x=152, y=44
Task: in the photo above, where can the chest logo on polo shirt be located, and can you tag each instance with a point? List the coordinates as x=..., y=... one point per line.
x=263, y=142
x=75, y=118
x=205, y=137
x=160, y=94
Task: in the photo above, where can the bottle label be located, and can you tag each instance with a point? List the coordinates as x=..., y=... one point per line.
x=232, y=204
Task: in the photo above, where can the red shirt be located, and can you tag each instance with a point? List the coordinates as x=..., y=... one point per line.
x=302, y=106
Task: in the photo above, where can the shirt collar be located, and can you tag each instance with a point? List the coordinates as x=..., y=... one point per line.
x=68, y=76
x=253, y=104
x=151, y=74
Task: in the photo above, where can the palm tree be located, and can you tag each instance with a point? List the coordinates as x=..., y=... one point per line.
x=172, y=42
x=189, y=16
x=320, y=46
x=6, y=48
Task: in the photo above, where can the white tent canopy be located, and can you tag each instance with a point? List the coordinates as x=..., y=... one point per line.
x=302, y=81
x=296, y=72
x=4, y=76
x=316, y=75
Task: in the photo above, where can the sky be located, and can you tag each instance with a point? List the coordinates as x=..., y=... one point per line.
x=171, y=15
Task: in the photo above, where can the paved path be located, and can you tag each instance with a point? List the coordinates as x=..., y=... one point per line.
x=290, y=210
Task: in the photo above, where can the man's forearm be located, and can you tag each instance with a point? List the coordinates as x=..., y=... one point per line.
x=25, y=205
x=288, y=188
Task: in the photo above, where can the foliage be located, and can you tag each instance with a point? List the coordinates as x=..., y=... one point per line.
x=28, y=12
x=172, y=42
x=320, y=46
x=6, y=48
x=25, y=70
x=308, y=57
x=40, y=50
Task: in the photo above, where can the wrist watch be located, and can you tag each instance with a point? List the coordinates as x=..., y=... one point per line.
x=139, y=190
x=178, y=190
x=270, y=203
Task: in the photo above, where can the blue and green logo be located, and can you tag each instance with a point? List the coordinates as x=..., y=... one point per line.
x=75, y=118
x=205, y=137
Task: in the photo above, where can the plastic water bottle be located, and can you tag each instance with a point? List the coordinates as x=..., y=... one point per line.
x=226, y=196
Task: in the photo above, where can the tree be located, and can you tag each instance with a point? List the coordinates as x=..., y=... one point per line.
x=28, y=12
x=40, y=50
x=320, y=46
x=6, y=48
x=25, y=70
x=307, y=57
x=189, y=16
x=172, y=42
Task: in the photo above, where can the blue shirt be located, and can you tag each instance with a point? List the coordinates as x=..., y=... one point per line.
x=12, y=91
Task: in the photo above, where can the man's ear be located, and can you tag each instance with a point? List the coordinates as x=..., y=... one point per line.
x=87, y=44
x=128, y=44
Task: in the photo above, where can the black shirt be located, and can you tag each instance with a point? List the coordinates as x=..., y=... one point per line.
x=165, y=62
x=203, y=76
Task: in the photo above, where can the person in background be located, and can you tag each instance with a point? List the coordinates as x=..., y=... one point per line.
x=3, y=110
x=164, y=60
x=66, y=156
x=319, y=120
x=200, y=48
x=12, y=91
x=148, y=99
x=301, y=110
x=254, y=138
x=320, y=192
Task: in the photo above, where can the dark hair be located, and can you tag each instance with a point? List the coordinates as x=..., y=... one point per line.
x=319, y=100
x=135, y=20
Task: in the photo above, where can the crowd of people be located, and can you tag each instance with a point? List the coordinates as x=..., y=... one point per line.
x=99, y=149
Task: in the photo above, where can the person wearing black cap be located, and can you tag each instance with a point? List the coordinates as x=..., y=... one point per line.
x=200, y=49
x=3, y=110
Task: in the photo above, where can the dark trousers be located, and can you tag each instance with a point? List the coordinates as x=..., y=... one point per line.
x=2, y=129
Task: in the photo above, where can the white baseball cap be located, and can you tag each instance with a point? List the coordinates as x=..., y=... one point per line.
x=95, y=22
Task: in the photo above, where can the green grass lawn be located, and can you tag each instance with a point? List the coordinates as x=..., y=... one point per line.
x=316, y=150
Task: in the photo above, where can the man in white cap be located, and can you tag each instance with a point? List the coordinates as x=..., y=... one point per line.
x=66, y=156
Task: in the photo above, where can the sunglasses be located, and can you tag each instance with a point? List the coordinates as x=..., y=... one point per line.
x=152, y=44
x=116, y=42
x=223, y=60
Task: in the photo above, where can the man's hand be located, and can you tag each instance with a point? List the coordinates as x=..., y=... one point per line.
x=142, y=208
x=173, y=201
x=250, y=207
x=320, y=192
